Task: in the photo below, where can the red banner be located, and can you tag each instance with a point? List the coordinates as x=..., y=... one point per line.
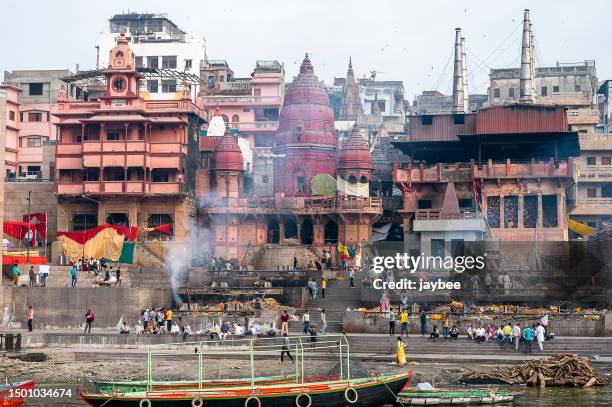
x=130, y=233
x=40, y=222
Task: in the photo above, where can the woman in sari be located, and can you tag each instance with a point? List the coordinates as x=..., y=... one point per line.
x=401, y=353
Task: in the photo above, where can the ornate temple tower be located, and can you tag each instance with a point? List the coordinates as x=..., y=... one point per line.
x=227, y=167
x=351, y=106
x=355, y=160
x=305, y=143
x=122, y=77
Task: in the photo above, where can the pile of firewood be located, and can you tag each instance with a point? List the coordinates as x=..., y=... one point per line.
x=558, y=370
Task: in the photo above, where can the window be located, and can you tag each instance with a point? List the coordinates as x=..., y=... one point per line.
x=530, y=211
x=34, y=141
x=21, y=116
x=578, y=88
x=511, y=92
x=221, y=78
x=591, y=193
x=115, y=135
x=257, y=92
x=606, y=160
x=300, y=183
x=556, y=89
x=119, y=54
x=188, y=64
x=591, y=160
x=153, y=86
x=511, y=211
x=169, y=62
x=119, y=84
x=160, y=175
x=459, y=119
x=363, y=179
x=152, y=62
x=264, y=179
x=544, y=91
x=457, y=247
x=493, y=215
x=168, y=85
x=496, y=93
x=426, y=120
x=352, y=179
x=139, y=62
x=35, y=89
x=465, y=203
x=437, y=249
x=35, y=117
x=235, y=118
x=606, y=191
x=424, y=203
x=549, y=211
x=11, y=115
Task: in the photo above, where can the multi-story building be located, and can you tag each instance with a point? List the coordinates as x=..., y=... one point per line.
x=123, y=159
x=35, y=126
x=158, y=44
x=11, y=129
x=573, y=86
x=435, y=102
x=250, y=106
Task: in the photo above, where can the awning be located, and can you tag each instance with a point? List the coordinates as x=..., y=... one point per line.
x=581, y=228
x=116, y=118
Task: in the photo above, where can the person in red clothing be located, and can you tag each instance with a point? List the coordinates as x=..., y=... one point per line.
x=285, y=323
x=89, y=319
x=343, y=258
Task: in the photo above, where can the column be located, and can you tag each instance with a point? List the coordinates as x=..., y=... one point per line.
x=540, y=212
x=299, y=231
x=133, y=214
x=281, y=232
x=521, y=206
x=501, y=212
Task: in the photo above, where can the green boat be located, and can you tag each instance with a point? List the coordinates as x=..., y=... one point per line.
x=455, y=397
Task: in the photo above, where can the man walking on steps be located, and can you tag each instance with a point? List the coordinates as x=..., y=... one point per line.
x=285, y=349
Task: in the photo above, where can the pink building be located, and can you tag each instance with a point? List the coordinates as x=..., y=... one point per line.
x=12, y=127
x=125, y=160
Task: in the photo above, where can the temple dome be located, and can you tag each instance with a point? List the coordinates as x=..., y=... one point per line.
x=355, y=152
x=227, y=155
x=306, y=116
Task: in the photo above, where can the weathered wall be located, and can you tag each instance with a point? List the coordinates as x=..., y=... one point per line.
x=65, y=306
x=43, y=200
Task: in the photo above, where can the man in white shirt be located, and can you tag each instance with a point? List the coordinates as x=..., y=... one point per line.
x=516, y=334
x=238, y=330
x=539, y=334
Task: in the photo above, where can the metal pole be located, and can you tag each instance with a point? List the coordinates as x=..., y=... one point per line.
x=28, y=231
x=348, y=361
x=340, y=347
x=297, y=365
x=46, y=232
x=200, y=368
x=149, y=367
x=252, y=365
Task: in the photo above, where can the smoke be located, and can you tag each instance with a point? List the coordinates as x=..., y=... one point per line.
x=182, y=256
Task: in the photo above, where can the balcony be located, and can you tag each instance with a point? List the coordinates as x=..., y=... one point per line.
x=595, y=141
x=69, y=149
x=593, y=206
x=435, y=221
x=595, y=173
x=242, y=100
x=255, y=126
x=585, y=115
x=118, y=187
x=463, y=172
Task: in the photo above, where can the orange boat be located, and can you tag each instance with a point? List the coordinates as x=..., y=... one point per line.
x=15, y=394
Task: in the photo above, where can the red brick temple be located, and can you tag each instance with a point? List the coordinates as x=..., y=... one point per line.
x=251, y=228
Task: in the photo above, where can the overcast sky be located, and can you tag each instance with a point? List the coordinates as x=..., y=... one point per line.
x=402, y=40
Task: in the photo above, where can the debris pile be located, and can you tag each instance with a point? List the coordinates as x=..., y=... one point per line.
x=558, y=370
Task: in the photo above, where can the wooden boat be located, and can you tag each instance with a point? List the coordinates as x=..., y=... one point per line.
x=373, y=391
x=11, y=394
x=143, y=385
x=455, y=397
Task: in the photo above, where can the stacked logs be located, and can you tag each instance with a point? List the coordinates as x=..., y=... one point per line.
x=558, y=370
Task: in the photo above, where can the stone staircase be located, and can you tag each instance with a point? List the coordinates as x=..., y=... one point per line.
x=148, y=277
x=338, y=297
x=272, y=256
x=146, y=258
x=59, y=276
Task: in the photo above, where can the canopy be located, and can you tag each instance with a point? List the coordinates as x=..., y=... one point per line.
x=581, y=228
x=323, y=185
x=354, y=189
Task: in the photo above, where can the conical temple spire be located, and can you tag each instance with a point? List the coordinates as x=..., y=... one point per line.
x=351, y=101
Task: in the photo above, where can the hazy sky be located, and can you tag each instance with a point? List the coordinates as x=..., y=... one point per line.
x=402, y=40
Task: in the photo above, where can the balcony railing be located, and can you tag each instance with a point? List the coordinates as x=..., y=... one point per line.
x=254, y=126
x=315, y=204
x=238, y=100
x=437, y=215
x=118, y=187
x=595, y=141
x=596, y=173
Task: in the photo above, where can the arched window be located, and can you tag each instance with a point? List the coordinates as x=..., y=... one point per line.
x=235, y=118
x=119, y=54
x=352, y=179
x=363, y=179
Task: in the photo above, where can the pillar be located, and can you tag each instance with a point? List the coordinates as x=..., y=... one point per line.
x=521, y=206
x=299, y=230
x=502, y=214
x=281, y=232
x=101, y=213
x=133, y=214
x=540, y=212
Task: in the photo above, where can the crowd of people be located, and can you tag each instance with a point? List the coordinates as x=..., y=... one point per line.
x=221, y=264
x=104, y=273
x=511, y=335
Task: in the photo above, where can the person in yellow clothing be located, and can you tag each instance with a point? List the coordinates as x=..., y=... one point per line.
x=445, y=327
x=401, y=352
x=507, y=332
x=323, y=287
x=169, y=320
x=404, y=322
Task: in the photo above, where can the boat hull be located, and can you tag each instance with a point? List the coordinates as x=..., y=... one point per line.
x=455, y=398
x=6, y=391
x=371, y=393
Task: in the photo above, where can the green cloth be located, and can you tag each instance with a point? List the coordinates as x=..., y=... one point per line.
x=323, y=185
x=127, y=253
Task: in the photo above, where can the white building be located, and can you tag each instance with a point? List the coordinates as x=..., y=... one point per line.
x=158, y=43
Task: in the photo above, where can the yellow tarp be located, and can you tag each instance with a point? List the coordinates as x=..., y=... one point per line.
x=581, y=228
x=323, y=185
x=106, y=244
